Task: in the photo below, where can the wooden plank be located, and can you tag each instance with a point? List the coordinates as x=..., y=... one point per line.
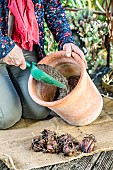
x=108, y=161
x=111, y=167
x=3, y=166
x=104, y=161
x=82, y=163
x=92, y=162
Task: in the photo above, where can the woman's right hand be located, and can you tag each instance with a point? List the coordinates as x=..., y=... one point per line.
x=15, y=57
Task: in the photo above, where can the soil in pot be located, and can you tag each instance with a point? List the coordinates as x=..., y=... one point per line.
x=61, y=93
x=70, y=82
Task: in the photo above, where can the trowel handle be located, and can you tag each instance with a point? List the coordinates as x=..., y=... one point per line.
x=28, y=65
x=40, y=75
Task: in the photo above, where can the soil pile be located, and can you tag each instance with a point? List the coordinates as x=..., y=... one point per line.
x=53, y=72
x=70, y=82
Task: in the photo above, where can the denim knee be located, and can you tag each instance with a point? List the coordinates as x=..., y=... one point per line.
x=33, y=110
x=9, y=118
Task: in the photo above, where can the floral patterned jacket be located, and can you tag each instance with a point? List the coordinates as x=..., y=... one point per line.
x=54, y=15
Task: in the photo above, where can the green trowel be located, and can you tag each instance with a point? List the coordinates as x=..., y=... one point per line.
x=41, y=75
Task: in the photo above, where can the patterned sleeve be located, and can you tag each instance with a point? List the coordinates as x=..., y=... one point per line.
x=57, y=22
x=6, y=45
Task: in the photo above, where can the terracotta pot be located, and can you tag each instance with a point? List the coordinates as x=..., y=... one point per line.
x=82, y=105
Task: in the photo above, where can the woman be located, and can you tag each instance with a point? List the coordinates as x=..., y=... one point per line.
x=22, y=38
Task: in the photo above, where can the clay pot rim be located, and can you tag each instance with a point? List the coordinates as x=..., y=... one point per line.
x=50, y=104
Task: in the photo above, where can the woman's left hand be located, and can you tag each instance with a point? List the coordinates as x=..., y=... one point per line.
x=70, y=47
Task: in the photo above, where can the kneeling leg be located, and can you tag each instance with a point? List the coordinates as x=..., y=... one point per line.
x=10, y=106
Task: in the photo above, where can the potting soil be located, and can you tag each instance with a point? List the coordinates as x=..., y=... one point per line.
x=70, y=82
x=53, y=72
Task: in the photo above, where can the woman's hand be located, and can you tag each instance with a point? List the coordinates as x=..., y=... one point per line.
x=15, y=57
x=70, y=47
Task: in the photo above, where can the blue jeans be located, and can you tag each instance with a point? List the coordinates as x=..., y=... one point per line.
x=15, y=100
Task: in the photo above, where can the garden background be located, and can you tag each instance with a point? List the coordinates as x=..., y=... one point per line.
x=89, y=26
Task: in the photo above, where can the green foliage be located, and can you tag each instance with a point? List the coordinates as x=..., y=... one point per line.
x=88, y=29
x=92, y=33
x=75, y=3
x=50, y=45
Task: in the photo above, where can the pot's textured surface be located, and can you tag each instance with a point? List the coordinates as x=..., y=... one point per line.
x=82, y=105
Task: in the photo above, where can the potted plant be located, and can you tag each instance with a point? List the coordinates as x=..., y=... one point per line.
x=82, y=105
